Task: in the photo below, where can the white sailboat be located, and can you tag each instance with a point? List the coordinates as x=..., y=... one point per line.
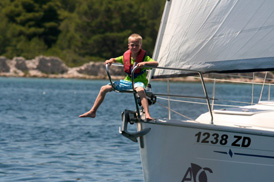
x=237, y=144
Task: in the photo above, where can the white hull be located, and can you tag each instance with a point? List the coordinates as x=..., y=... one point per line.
x=188, y=151
x=204, y=37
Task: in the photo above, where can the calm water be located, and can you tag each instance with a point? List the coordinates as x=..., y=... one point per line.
x=43, y=140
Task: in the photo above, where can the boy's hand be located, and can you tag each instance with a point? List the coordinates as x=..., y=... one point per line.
x=110, y=61
x=143, y=64
x=140, y=65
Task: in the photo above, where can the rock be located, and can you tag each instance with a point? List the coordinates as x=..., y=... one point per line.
x=99, y=69
x=3, y=65
x=117, y=71
x=20, y=64
x=91, y=69
x=51, y=65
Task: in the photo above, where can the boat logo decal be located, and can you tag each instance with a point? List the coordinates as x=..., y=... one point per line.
x=196, y=173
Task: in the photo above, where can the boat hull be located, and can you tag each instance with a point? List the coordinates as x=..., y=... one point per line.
x=187, y=151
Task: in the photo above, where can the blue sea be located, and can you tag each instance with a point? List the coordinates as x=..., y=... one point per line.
x=43, y=140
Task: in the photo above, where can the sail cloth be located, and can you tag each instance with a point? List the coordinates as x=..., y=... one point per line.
x=216, y=36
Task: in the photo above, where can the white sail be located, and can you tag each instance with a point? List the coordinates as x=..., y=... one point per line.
x=217, y=36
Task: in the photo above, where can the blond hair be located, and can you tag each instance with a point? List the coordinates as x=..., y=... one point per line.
x=135, y=36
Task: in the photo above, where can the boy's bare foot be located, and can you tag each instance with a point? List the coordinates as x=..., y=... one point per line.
x=149, y=118
x=88, y=114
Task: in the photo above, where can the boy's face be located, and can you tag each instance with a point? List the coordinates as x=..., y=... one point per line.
x=134, y=46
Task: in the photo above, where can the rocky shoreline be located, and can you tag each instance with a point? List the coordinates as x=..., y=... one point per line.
x=53, y=67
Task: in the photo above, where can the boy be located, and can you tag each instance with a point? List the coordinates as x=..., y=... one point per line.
x=134, y=56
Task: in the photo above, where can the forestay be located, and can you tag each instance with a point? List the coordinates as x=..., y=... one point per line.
x=216, y=36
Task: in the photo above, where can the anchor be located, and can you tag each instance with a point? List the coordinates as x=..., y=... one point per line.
x=129, y=116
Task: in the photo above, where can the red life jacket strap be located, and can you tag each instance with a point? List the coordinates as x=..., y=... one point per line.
x=127, y=61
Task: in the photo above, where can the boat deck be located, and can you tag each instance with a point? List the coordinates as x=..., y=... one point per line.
x=259, y=116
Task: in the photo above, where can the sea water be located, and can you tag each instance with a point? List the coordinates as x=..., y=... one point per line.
x=43, y=140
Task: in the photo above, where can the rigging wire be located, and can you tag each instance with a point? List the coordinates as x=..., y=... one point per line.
x=176, y=112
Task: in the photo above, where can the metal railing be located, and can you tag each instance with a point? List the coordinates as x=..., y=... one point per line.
x=169, y=95
x=252, y=82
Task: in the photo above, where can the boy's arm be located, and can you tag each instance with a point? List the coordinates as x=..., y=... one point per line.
x=150, y=63
x=115, y=60
x=110, y=61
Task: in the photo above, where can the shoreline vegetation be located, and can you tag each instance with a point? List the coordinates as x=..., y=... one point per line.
x=76, y=31
x=53, y=67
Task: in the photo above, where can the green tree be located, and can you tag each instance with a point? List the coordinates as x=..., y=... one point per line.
x=76, y=31
x=31, y=19
x=104, y=26
x=4, y=28
x=153, y=14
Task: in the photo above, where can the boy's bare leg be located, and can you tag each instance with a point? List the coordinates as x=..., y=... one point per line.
x=100, y=98
x=144, y=102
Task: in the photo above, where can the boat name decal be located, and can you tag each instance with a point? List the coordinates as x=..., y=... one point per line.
x=223, y=139
x=196, y=173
